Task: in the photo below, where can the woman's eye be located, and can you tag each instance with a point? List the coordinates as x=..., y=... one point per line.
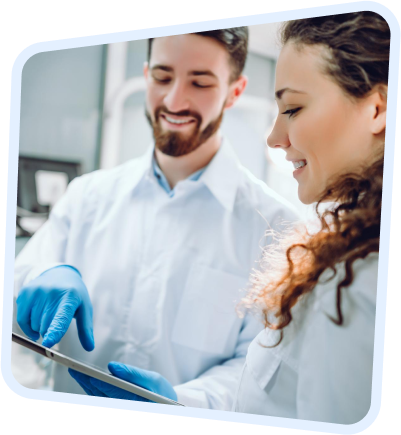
x=291, y=112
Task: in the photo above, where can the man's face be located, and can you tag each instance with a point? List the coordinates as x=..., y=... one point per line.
x=188, y=89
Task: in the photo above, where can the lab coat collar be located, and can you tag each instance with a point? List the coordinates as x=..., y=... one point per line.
x=143, y=170
x=221, y=176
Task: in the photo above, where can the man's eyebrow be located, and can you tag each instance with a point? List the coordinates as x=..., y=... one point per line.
x=191, y=73
x=206, y=72
x=280, y=92
x=162, y=67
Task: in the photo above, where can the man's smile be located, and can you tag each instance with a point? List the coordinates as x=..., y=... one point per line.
x=174, y=122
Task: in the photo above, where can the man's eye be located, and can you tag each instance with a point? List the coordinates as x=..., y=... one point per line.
x=291, y=112
x=162, y=79
x=200, y=85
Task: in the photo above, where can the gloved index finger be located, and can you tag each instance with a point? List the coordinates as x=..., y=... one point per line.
x=84, y=320
x=60, y=322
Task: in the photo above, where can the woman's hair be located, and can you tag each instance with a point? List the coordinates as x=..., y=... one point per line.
x=358, y=46
x=356, y=58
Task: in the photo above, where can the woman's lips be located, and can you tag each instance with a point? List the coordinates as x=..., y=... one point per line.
x=299, y=169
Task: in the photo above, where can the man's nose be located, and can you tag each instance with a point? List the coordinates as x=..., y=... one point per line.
x=176, y=99
x=278, y=138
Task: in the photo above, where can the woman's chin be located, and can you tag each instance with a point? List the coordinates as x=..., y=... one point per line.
x=312, y=196
x=306, y=196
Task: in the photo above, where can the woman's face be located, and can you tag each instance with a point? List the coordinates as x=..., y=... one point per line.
x=322, y=130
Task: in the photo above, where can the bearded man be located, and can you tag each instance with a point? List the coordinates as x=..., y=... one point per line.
x=149, y=257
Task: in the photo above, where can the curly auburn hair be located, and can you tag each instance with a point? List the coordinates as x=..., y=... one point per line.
x=357, y=59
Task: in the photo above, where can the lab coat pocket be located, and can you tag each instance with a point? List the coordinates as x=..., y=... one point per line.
x=207, y=320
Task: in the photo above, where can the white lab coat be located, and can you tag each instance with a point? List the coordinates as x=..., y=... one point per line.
x=163, y=273
x=320, y=371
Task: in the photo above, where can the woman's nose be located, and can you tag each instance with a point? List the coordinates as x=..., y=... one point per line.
x=176, y=99
x=278, y=137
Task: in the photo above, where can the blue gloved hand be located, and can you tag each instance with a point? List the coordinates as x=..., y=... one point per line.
x=48, y=303
x=151, y=381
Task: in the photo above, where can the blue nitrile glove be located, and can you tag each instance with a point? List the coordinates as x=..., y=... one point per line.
x=48, y=303
x=151, y=381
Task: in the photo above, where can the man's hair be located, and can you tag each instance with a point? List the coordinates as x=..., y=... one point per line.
x=234, y=40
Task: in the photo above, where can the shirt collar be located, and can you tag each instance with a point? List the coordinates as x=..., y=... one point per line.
x=221, y=176
x=162, y=180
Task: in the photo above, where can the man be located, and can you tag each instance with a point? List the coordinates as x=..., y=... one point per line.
x=161, y=245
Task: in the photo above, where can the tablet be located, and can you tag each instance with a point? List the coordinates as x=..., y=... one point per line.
x=91, y=371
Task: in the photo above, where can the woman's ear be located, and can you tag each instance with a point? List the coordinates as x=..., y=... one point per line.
x=378, y=101
x=236, y=90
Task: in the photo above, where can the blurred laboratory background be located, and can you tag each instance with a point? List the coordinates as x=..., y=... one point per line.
x=82, y=109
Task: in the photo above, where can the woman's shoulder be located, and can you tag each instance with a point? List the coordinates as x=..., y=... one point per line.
x=358, y=307
x=363, y=274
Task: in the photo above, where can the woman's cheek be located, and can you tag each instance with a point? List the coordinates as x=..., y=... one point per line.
x=300, y=137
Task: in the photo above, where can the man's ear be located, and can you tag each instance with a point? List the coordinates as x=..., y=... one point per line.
x=235, y=91
x=378, y=104
x=145, y=69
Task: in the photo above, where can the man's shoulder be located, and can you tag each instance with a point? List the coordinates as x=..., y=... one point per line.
x=102, y=181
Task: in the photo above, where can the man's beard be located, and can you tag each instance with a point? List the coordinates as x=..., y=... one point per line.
x=173, y=143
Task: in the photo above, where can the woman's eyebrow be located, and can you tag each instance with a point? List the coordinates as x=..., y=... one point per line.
x=280, y=92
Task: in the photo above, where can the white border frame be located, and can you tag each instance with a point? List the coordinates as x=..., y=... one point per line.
x=385, y=223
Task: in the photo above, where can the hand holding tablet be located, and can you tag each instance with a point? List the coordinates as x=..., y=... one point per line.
x=149, y=380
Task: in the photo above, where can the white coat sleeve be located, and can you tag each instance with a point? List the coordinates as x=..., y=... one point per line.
x=46, y=248
x=215, y=388
x=336, y=364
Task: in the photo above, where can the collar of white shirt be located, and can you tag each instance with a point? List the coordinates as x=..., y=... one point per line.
x=221, y=176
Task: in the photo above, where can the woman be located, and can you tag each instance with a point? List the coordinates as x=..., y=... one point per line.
x=331, y=94
x=317, y=291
